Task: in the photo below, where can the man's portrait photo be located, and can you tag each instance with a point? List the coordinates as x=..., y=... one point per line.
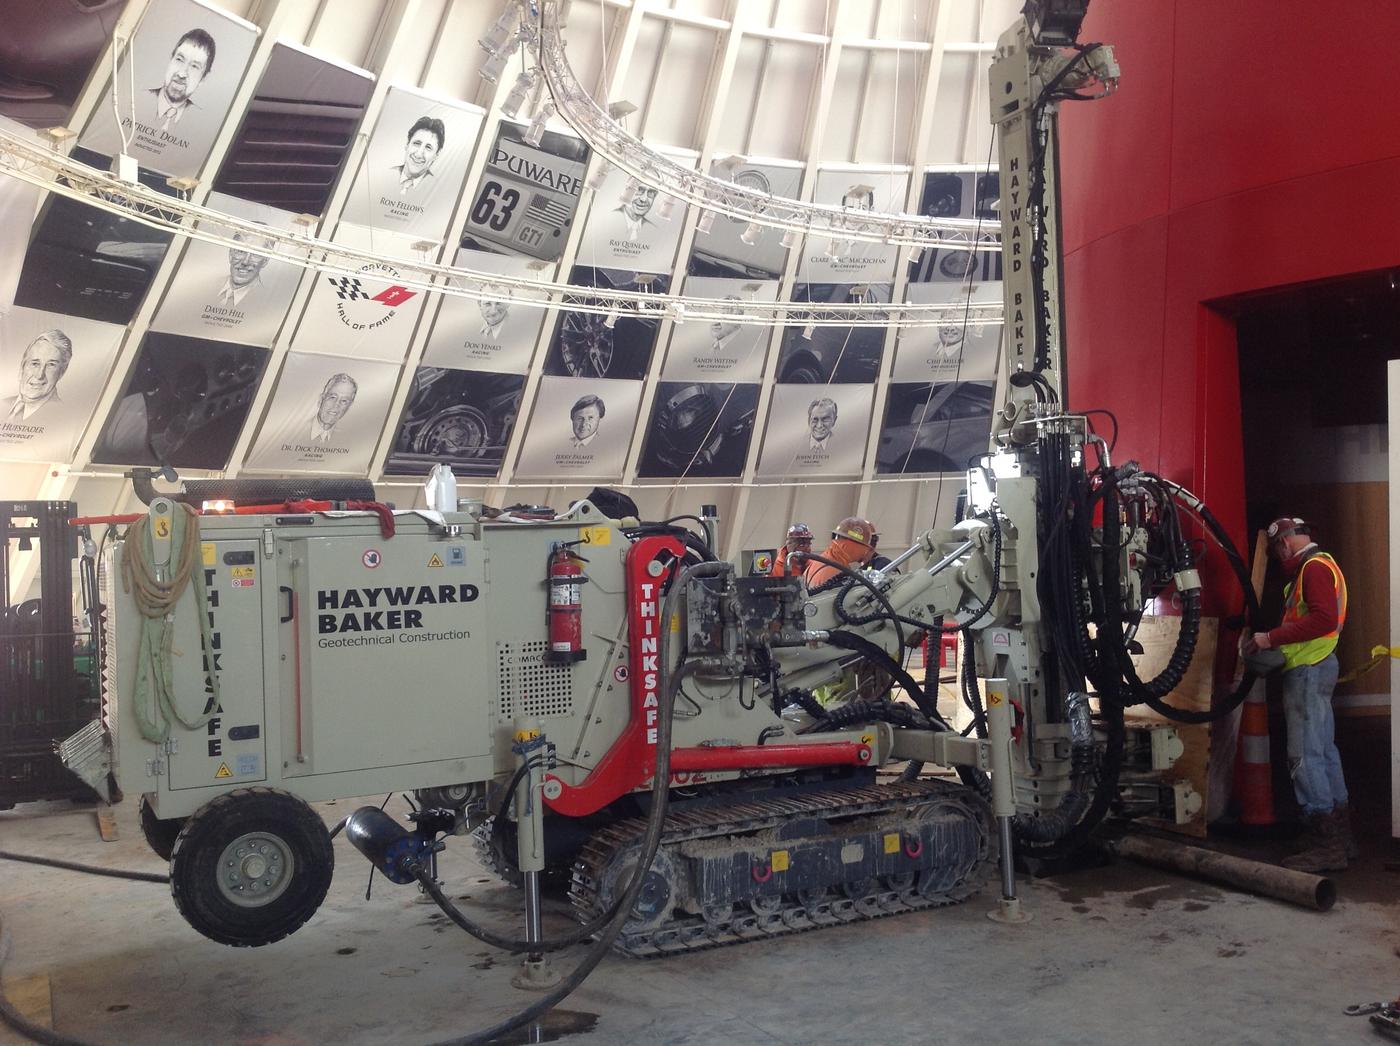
x=41, y=367
x=493, y=314
x=584, y=418
x=821, y=423
x=635, y=208
x=244, y=271
x=724, y=332
x=859, y=198
x=425, y=141
x=191, y=60
x=336, y=400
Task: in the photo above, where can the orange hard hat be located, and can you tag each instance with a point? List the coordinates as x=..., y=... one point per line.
x=856, y=529
x=799, y=530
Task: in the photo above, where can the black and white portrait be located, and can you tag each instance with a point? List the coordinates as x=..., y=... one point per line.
x=699, y=430
x=579, y=428
x=724, y=349
x=325, y=415
x=592, y=345
x=315, y=106
x=463, y=418
x=496, y=333
x=183, y=404
x=632, y=225
x=816, y=431
x=833, y=354
x=955, y=349
x=723, y=252
x=185, y=62
x=232, y=293
x=832, y=259
x=52, y=369
x=934, y=427
x=415, y=164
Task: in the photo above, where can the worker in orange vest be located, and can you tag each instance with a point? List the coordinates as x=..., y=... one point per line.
x=1314, y=611
x=852, y=543
x=799, y=539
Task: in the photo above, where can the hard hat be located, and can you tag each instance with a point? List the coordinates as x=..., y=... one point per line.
x=1285, y=525
x=799, y=530
x=856, y=529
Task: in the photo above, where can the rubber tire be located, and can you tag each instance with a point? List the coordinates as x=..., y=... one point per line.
x=193, y=866
x=160, y=835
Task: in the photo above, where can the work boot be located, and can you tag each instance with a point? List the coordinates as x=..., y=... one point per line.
x=1326, y=850
x=1341, y=821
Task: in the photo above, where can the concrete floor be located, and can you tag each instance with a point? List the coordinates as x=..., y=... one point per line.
x=1120, y=954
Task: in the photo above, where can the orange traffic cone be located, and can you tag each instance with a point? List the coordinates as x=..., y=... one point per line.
x=1253, y=774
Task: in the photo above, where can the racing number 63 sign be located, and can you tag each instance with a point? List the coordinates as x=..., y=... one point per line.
x=527, y=195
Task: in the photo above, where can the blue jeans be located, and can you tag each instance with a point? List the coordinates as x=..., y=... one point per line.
x=1313, y=761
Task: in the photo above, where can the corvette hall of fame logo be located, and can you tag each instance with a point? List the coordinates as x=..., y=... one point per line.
x=357, y=308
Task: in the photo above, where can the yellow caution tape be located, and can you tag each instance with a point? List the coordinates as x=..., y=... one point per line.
x=1378, y=655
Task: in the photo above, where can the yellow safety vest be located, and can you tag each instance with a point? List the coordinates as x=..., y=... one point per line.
x=1311, y=651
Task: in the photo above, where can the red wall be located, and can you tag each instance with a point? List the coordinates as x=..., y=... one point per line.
x=1252, y=144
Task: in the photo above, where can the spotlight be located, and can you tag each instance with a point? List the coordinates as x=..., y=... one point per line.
x=502, y=33
x=524, y=84
x=726, y=166
x=752, y=233
x=808, y=331
x=835, y=248
x=676, y=311
x=621, y=110
x=610, y=321
x=496, y=65
x=706, y=222
x=629, y=191
x=599, y=176
x=535, y=131
x=665, y=207
x=789, y=237
x=915, y=255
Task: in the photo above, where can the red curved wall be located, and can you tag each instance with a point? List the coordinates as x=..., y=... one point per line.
x=1252, y=144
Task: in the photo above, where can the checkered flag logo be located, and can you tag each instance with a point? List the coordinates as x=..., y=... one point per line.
x=347, y=288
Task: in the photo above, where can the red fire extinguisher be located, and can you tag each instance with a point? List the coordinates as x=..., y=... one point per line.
x=565, y=581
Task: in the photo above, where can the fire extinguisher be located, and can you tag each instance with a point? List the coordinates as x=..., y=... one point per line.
x=565, y=581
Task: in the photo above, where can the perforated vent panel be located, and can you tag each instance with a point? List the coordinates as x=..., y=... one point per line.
x=528, y=685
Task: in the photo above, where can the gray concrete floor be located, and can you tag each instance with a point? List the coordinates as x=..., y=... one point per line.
x=1119, y=954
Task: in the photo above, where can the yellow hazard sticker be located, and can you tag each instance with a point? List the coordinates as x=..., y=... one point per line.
x=994, y=699
x=780, y=860
x=434, y=560
x=595, y=535
x=867, y=739
x=243, y=571
x=223, y=771
x=891, y=842
x=675, y=622
x=206, y=552
x=162, y=526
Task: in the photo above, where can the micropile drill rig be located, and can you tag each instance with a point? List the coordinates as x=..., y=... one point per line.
x=607, y=704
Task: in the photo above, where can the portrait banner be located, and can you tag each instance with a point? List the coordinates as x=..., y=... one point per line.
x=174, y=85
x=816, y=431
x=231, y=293
x=326, y=415
x=461, y=418
x=580, y=429
x=415, y=165
x=585, y=346
x=370, y=315
x=183, y=404
x=833, y=354
x=496, y=334
x=854, y=261
x=630, y=226
x=52, y=370
x=698, y=430
x=723, y=252
x=528, y=195
x=954, y=350
x=297, y=132
x=720, y=350
x=958, y=194
x=934, y=427
x=89, y=262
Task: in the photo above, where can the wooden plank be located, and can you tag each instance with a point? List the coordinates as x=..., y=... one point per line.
x=1158, y=638
x=106, y=823
x=32, y=997
x=1259, y=566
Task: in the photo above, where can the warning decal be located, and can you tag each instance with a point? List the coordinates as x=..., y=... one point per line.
x=223, y=771
x=434, y=560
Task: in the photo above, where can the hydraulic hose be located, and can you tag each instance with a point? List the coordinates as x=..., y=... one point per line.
x=857, y=576
x=86, y=869
x=1056, y=824
x=660, y=795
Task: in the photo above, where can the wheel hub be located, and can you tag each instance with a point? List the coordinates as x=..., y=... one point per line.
x=255, y=869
